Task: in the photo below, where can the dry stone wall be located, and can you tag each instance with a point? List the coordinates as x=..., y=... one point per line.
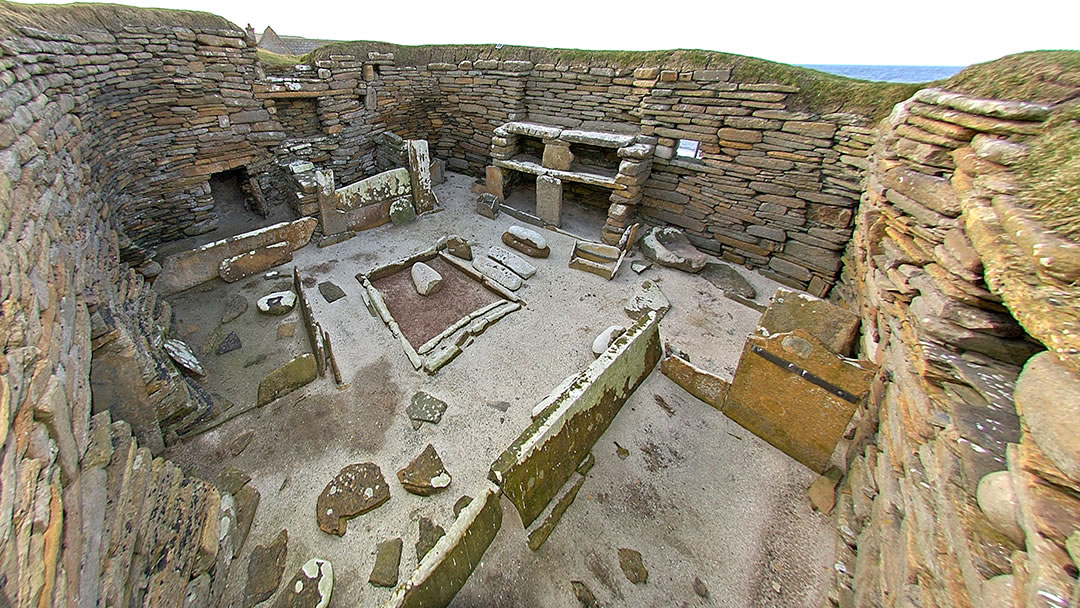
x=85, y=512
x=774, y=187
x=968, y=493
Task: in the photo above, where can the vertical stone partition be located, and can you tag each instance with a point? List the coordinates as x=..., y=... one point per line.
x=569, y=421
x=549, y=192
x=420, y=176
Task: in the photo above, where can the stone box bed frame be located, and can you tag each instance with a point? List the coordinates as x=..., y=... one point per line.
x=439, y=350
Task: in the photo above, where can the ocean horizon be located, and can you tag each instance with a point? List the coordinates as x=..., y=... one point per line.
x=889, y=73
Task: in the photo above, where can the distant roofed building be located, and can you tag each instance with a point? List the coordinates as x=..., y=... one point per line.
x=271, y=41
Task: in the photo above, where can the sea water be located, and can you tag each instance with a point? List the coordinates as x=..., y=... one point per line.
x=890, y=73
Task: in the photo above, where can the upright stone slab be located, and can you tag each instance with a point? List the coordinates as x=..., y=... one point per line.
x=569, y=421
x=241, y=266
x=420, y=176
x=791, y=390
x=836, y=327
x=493, y=181
x=558, y=156
x=444, y=569
x=549, y=199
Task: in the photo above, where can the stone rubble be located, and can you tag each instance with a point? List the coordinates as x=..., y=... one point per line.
x=426, y=474
x=355, y=490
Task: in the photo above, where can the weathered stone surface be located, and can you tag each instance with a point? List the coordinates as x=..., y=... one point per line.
x=357, y=489
x=240, y=442
x=311, y=587
x=253, y=262
x=231, y=479
x=420, y=176
x=190, y=268
x=567, y=423
x=426, y=474
x=229, y=343
x=670, y=247
x=425, y=408
x=402, y=211
x=640, y=266
x=998, y=502
x=331, y=292
x=460, y=504
x=235, y=306
x=265, y=568
x=488, y=205
x=445, y=568
x=182, y=354
x=526, y=241
x=459, y=247
x=584, y=595
x=387, y=563
x=790, y=310
x=633, y=567
x=811, y=396
x=728, y=280
x=605, y=338
x=705, y=386
x=247, y=504
x=430, y=533
x=539, y=535
x=497, y=272
x=549, y=194
x=277, y=303
x=557, y=155
x=822, y=491
x=425, y=279
x=647, y=297
x=512, y=261
x=296, y=373
x=1048, y=397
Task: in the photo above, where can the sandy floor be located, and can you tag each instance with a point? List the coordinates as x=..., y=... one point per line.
x=697, y=495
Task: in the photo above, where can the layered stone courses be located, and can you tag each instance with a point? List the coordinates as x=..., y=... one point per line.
x=110, y=129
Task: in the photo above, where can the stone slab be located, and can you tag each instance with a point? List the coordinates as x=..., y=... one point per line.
x=836, y=327
x=241, y=266
x=420, y=176
x=549, y=195
x=356, y=489
x=444, y=569
x=514, y=262
x=527, y=241
x=497, y=272
x=705, y=386
x=296, y=373
x=187, y=269
x=791, y=390
x=569, y=421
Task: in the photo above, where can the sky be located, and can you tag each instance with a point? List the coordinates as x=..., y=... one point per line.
x=867, y=32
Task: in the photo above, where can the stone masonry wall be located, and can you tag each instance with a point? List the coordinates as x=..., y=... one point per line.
x=774, y=189
x=86, y=514
x=965, y=488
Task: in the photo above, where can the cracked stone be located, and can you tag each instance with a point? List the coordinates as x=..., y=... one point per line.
x=357, y=489
x=426, y=474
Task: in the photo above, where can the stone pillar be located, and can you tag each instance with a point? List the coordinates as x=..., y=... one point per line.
x=371, y=99
x=558, y=156
x=549, y=198
x=493, y=180
x=420, y=175
x=332, y=219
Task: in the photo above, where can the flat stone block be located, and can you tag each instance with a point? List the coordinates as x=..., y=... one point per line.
x=287, y=378
x=549, y=192
x=241, y=266
x=837, y=328
x=794, y=393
